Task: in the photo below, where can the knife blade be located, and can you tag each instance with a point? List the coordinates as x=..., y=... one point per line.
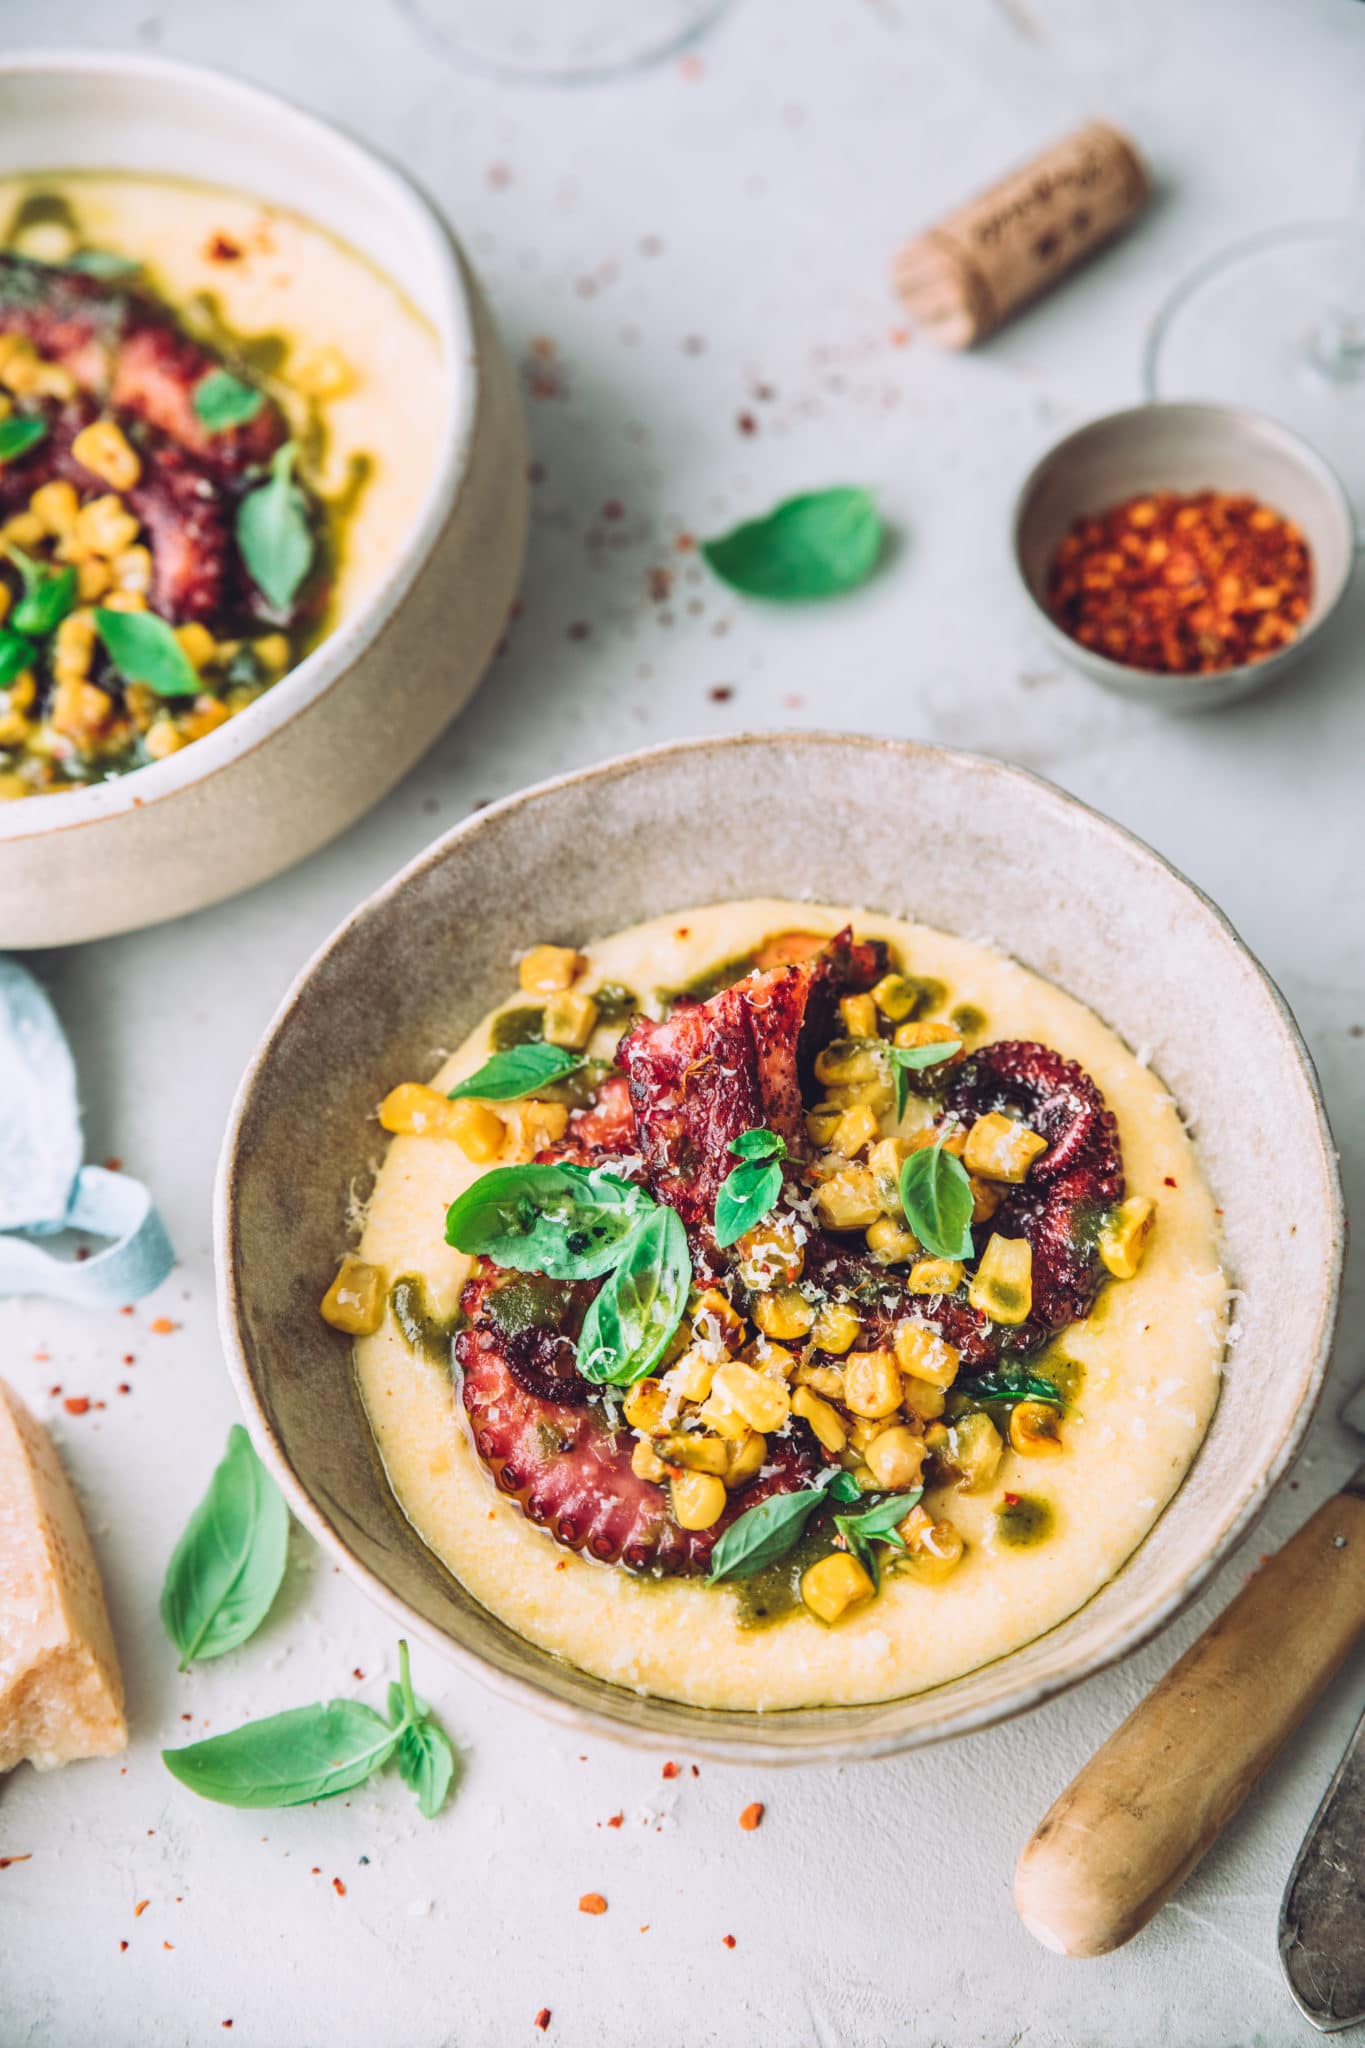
x=1322, y=1914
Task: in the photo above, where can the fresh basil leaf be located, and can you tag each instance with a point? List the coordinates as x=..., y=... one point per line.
x=226, y=1569
x=288, y=1759
x=844, y=1487
x=999, y=1386
x=937, y=1199
x=18, y=434
x=759, y=1144
x=144, y=649
x=765, y=1533
x=426, y=1764
x=222, y=401
x=881, y=1522
x=630, y=1321
x=101, y=263
x=274, y=534
x=568, y=1222
x=518, y=1071
x=745, y=1197
x=908, y=1059
x=16, y=654
x=816, y=545
x=45, y=603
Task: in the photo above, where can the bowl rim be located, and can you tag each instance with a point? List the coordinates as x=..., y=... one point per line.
x=758, y=1748
x=452, y=318
x=1152, y=682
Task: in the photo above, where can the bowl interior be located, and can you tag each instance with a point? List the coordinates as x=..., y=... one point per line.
x=1185, y=447
x=957, y=841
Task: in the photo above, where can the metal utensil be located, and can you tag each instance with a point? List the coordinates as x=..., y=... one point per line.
x=1322, y=1914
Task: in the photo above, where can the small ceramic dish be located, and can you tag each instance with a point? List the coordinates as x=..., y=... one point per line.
x=339, y=730
x=1183, y=447
x=965, y=844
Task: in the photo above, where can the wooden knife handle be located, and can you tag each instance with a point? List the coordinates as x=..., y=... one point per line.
x=1132, y=1825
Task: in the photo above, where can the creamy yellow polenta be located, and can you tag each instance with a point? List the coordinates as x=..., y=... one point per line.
x=1150, y=1356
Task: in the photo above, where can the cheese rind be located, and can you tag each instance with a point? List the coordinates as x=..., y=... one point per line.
x=61, y=1695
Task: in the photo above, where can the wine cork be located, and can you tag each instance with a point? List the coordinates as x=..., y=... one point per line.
x=964, y=277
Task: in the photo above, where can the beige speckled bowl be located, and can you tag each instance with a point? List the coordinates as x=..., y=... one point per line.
x=337, y=733
x=965, y=843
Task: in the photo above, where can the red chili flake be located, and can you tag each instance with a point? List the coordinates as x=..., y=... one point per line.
x=670, y=1771
x=357, y=1674
x=542, y=2018
x=168, y=1944
x=77, y=1404
x=221, y=249
x=684, y=542
x=140, y=1908
x=592, y=1902
x=746, y=423
x=338, y=1887
x=752, y=1816
x=127, y=1309
x=1168, y=1182
x=728, y=1940
x=124, y=1388
x=899, y=337
x=1012, y=1500
x=5, y=1861
x=696, y=1771
x=123, y=1947
x=129, y=1358
x=42, y=1357
x=316, y=1870
x=53, y=1392
x=616, y=1820
x=162, y=1326
x=721, y=693
x=1182, y=583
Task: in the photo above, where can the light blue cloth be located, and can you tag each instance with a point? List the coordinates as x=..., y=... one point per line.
x=43, y=1185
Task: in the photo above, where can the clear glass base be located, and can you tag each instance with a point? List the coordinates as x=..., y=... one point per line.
x=1274, y=323
x=561, y=42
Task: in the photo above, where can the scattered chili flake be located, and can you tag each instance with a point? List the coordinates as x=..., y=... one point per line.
x=168, y=1944
x=124, y=1388
x=1012, y=1500
x=1167, y=1181
x=140, y=1908
x=123, y=1947
x=616, y=1820
x=728, y=1940
x=6, y=1861
x=163, y=1326
x=696, y=1770
x=542, y=2018
x=1184, y=583
x=54, y=1391
x=77, y=1404
x=221, y=249
x=592, y=1902
x=357, y=1674
x=684, y=542
x=130, y=1358
x=751, y=1816
x=746, y=423
x=721, y=693
x=42, y=1357
x=338, y=1887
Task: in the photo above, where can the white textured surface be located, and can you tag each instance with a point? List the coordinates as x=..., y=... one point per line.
x=751, y=207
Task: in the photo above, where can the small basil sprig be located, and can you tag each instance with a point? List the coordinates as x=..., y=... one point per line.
x=999, y=1386
x=636, y=1311
x=936, y=1196
x=518, y=1071
x=274, y=533
x=767, y=1532
x=879, y=1524
x=144, y=649
x=16, y=654
x=816, y=545
x=47, y=598
x=316, y=1752
x=568, y=1222
x=908, y=1059
x=222, y=401
x=18, y=434
x=226, y=1569
x=750, y=1189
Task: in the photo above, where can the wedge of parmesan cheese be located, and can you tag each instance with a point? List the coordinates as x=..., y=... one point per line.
x=61, y=1695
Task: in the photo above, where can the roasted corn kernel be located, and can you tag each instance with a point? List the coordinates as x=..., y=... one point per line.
x=163, y=737
x=998, y=1148
x=760, y=1400
x=894, y=1458
x=872, y=1384
x=646, y=1463
x=889, y=1241
x=715, y=1319
x=693, y=1452
x=478, y=1130
x=549, y=970
x=355, y=1300
x=858, y=1015
x=1035, y=1429
x=1124, y=1236
x=924, y=1355
x=922, y=1401
x=105, y=450
x=935, y=1276
x=895, y=997
x=569, y=1020
x=826, y=1379
x=836, y=1586
x=856, y=1128
x=848, y=1200
x=771, y=1254
x=746, y=1459
x=690, y=1377
x=822, y=1122
x=843, y=1063
x=644, y=1405
x=1002, y=1286
x=836, y=1328
x=825, y=1423
x=104, y=527
x=784, y=1314
x=698, y=1499
x=928, y=1034
x=538, y=1124
x=56, y=504
x=320, y=371
x=969, y=1447
x=933, y=1549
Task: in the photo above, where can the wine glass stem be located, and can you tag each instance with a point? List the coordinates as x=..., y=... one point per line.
x=1338, y=343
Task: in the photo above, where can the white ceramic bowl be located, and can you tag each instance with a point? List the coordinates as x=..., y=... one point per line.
x=1183, y=446
x=333, y=736
x=963, y=843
